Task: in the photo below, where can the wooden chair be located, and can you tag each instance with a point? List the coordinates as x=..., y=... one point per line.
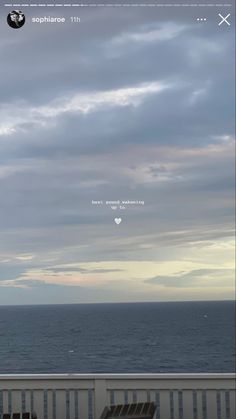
x=130, y=411
x=22, y=415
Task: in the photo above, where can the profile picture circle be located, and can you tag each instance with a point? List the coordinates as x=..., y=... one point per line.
x=16, y=19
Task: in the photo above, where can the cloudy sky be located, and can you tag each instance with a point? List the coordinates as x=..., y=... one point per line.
x=129, y=104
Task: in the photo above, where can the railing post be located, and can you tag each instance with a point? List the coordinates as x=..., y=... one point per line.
x=100, y=397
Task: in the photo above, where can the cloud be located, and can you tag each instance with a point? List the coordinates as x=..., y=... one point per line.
x=150, y=33
x=24, y=257
x=196, y=278
x=82, y=103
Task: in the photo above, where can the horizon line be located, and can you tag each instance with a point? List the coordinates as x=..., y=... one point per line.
x=118, y=302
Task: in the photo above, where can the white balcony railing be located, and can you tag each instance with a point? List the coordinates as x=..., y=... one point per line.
x=83, y=396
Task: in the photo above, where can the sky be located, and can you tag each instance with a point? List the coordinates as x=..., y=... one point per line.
x=128, y=104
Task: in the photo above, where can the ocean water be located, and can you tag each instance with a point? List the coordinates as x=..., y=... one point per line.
x=112, y=338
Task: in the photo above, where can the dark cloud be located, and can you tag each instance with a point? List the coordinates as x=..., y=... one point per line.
x=193, y=278
x=80, y=270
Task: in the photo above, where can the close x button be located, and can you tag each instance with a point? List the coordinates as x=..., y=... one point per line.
x=224, y=19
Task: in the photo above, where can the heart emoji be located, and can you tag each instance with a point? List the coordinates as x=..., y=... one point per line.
x=118, y=220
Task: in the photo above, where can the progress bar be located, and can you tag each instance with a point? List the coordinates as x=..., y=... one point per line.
x=115, y=5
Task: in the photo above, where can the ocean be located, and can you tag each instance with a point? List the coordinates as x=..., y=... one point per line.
x=118, y=338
